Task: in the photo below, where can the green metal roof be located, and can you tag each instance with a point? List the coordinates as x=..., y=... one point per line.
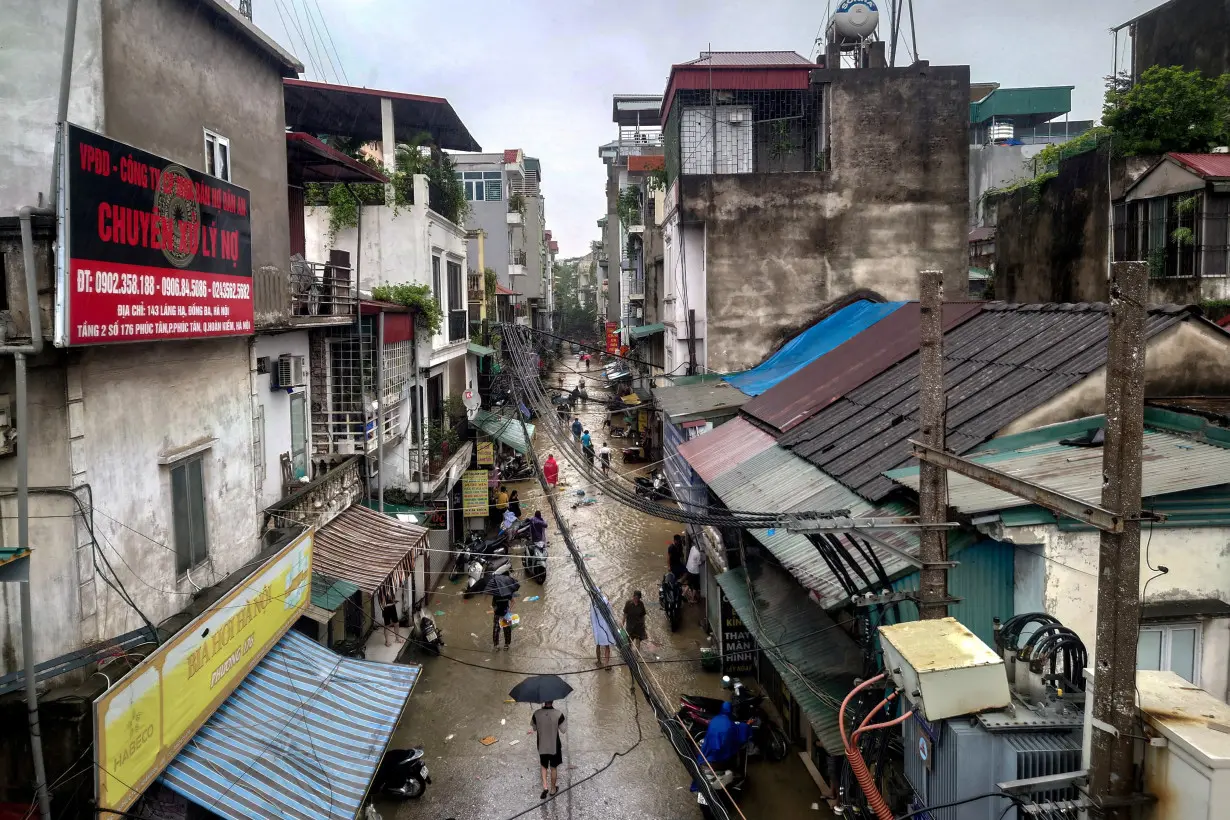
x=329, y=594
x=12, y=554
x=505, y=429
x=642, y=331
x=699, y=378
x=1024, y=106
x=481, y=350
x=817, y=659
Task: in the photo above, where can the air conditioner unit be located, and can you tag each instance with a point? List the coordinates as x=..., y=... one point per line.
x=291, y=372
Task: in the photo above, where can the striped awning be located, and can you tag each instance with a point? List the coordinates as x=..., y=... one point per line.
x=300, y=738
x=366, y=548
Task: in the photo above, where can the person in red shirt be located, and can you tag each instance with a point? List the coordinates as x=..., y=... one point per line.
x=550, y=471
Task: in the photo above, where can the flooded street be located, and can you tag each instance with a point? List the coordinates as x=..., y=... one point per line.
x=461, y=698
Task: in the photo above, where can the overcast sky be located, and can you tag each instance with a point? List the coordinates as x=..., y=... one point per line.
x=539, y=74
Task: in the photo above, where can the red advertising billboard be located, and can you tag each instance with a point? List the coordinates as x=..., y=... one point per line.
x=153, y=250
x=612, y=338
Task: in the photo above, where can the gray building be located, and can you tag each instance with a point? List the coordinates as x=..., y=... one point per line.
x=507, y=205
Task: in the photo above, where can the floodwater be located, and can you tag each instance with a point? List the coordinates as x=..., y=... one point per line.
x=461, y=699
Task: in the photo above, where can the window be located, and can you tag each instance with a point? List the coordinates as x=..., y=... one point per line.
x=435, y=277
x=217, y=155
x=454, y=287
x=188, y=514
x=1172, y=647
x=298, y=434
x=483, y=186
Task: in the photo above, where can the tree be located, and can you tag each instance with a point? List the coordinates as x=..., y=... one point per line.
x=573, y=316
x=1169, y=109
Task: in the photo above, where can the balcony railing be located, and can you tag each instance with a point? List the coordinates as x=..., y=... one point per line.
x=337, y=485
x=636, y=289
x=517, y=258
x=318, y=289
x=458, y=325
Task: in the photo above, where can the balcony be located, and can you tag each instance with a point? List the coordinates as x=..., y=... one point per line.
x=518, y=258
x=516, y=270
x=458, y=325
x=308, y=294
x=515, y=218
x=337, y=485
x=636, y=289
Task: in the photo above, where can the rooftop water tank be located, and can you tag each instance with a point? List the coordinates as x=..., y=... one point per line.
x=856, y=19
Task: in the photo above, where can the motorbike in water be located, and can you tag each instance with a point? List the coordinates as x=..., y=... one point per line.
x=473, y=545
x=768, y=739
x=725, y=784
x=430, y=635
x=534, y=560
x=655, y=487
x=670, y=598
x=482, y=569
x=515, y=468
x=402, y=773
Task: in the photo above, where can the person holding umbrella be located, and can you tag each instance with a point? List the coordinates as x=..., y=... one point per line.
x=547, y=723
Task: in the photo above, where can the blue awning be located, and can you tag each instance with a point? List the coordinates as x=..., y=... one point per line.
x=505, y=429
x=811, y=344
x=300, y=738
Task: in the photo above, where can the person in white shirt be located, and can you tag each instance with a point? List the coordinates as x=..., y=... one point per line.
x=696, y=560
x=604, y=458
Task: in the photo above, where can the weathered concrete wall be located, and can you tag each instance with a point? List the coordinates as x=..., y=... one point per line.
x=1186, y=360
x=781, y=246
x=220, y=83
x=995, y=166
x=31, y=37
x=528, y=237
x=1188, y=33
x=1199, y=562
x=276, y=404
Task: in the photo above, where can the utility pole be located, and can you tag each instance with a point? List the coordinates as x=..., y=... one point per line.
x=1111, y=781
x=932, y=479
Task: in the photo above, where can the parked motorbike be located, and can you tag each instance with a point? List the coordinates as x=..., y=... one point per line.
x=670, y=598
x=768, y=739
x=402, y=773
x=481, y=569
x=350, y=648
x=474, y=544
x=516, y=468
x=725, y=784
x=430, y=635
x=655, y=487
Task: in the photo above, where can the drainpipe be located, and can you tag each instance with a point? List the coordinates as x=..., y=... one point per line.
x=380, y=411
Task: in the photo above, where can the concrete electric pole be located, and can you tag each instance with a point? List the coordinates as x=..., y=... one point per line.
x=932, y=479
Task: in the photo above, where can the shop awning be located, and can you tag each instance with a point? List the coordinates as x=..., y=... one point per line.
x=328, y=595
x=364, y=547
x=818, y=662
x=481, y=350
x=505, y=429
x=642, y=331
x=300, y=738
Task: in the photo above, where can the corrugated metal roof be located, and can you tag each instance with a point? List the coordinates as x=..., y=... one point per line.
x=817, y=659
x=505, y=429
x=748, y=58
x=641, y=331
x=330, y=593
x=300, y=738
x=1209, y=166
x=1171, y=463
x=724, y=447
x=776, y=481
x=1217, y=407
x=699, y=400
x=1000, y=364
x=8, y=554
x=845, y=367
x=364, y=547
x=811, y=344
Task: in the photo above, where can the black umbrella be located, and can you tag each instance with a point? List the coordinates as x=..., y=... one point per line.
x=500, y=586
x=540, y=689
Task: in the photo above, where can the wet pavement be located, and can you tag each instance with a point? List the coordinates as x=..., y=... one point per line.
x=461, y=698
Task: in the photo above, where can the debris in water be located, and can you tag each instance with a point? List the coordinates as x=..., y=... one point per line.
x=513, y=742
x=439, y=611
x=530, y=599
x=450, y=737
x=509, y=700
x=488, y=740
x=473, y=635
x=503, y=721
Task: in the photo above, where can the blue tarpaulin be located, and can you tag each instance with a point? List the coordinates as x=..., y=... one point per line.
x=811, y=344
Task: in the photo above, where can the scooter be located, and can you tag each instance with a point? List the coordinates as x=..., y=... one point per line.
x=726, y=784
x=534, y=560
x=655, y=487
x=482, y=569
x=430, y=636
x=768, y=739
x=515, y=468
x=475, y=545
x=402, y=773
x=670, y=598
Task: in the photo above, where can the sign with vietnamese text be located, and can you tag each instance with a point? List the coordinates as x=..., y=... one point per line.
x=474, y=494
x=486, y=453
x=142, y=722
x=153, y=251
x=612, y=338
x=738, y=647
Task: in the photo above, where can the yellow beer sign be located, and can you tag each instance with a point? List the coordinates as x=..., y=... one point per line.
x=142, y=722
x=486, y=454
x=474, y=493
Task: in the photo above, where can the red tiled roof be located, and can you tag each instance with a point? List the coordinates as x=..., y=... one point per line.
x=652, y=162
x=1209, y=166
x=1224, y=321
x=739, y=71
x=510, y=155
x=503, y=291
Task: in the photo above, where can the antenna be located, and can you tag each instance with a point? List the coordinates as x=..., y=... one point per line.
x=898, y=11
x=245, y=8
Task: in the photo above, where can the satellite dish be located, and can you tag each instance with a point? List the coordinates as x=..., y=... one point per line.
x=856, y=19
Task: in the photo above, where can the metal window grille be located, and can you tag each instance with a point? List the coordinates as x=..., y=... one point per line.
x=1180, y=236
x=745, y=132
x=258, y=446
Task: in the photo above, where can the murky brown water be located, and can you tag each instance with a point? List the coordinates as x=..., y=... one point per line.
x=457, y=704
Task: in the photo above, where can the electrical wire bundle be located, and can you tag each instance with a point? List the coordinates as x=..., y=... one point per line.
x=1051, y=644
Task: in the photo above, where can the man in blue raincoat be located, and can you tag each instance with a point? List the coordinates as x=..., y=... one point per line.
x=723, y=741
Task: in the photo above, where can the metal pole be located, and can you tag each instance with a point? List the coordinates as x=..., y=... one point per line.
x=66, y=77
x=691, y=341
x=932, y=479
x=27, y=608
x=380, y=412
x=1118, y=616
